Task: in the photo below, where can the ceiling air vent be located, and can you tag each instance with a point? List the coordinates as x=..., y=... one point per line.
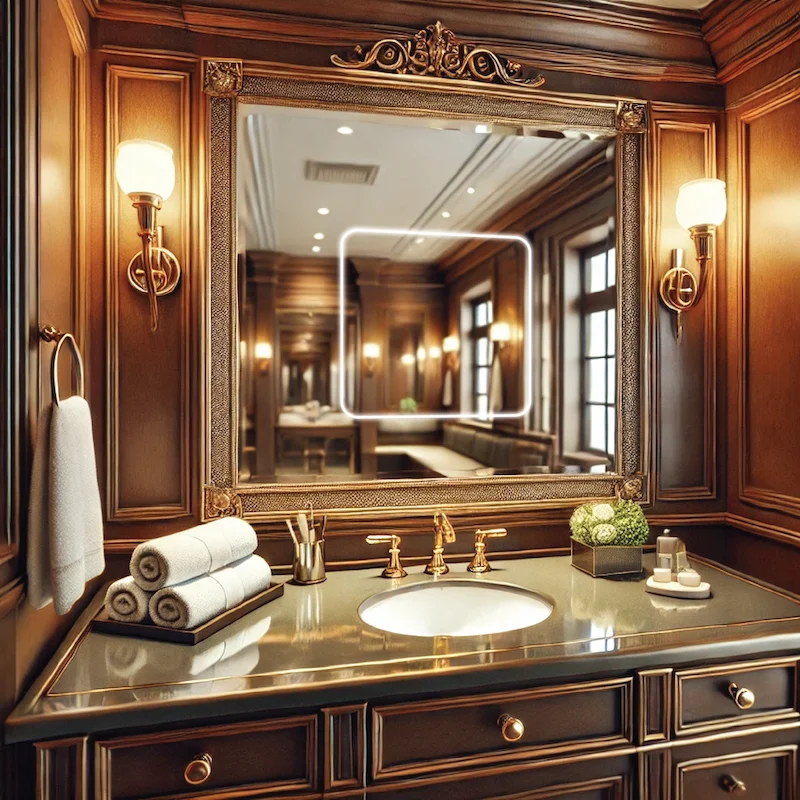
x=331, y=172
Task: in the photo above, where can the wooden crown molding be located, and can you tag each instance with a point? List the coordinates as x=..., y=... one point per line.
x=743, y=33
x=534, y=31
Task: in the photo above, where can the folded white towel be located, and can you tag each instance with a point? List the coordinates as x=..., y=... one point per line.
x=179, y=557
x=126, y=601
x=65, y=526
x=196, y=601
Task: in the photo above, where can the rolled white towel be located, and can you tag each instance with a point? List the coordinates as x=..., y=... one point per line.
x=196, y=601
x=179, y=557
x=126, y=601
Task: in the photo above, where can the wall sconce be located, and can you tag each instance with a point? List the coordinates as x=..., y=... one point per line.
x=263, y=355
x=435, y=352
x=372, y=352
x=146, y=173
x=700, y=208
x=452, y=348
x=500, y=333
x=408, y=360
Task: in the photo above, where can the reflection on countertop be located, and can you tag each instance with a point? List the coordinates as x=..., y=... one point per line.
x=312, y=639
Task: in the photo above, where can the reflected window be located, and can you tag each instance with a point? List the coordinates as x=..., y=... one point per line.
x=481, y=353
x=599, y=337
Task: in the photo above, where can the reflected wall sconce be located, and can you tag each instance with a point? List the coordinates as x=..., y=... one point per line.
x=371, y=352
x=435, y=352
x=500, y=333
x=700, y=208
x=263, y=355
x=452, y=347
x=408, y=360
x=146, y=173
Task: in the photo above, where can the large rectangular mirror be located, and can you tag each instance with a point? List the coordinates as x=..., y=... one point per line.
x=383, y=334
x=420, y=297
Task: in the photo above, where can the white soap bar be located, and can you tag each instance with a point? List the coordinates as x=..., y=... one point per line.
x=688, y=577
x=662, y=574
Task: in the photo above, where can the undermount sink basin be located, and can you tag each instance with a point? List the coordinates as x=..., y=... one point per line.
x=455, y=607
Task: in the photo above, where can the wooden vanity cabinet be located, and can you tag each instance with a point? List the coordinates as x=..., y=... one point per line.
x=659, y=734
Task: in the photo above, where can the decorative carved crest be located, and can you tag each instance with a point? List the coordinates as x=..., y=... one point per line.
x=222, y=78
x=631, y=117
x=630, y=488
x=436, y=52
x=222, y=503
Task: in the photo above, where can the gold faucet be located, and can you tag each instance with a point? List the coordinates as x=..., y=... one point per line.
x=442, y=532
x=479, y=562
x=394, y=568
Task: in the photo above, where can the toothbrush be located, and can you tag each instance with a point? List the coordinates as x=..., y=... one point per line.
x=303, y=525
x=291, y=531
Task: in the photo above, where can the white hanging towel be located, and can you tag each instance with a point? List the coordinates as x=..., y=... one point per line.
x=65, y=521
x=496, y=386
x=447, y=389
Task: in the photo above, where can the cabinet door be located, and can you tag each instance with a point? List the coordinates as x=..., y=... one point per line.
x=587, y=778
x=769, y=773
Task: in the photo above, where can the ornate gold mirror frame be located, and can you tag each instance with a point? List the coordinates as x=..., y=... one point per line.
x=432, y=73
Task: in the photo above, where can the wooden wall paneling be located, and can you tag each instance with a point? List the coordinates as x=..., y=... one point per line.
x=62, y=769
x=683, y=147
x=148, y=419
x=765, y=426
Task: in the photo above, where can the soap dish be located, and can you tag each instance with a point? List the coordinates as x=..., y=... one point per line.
x=675, y=589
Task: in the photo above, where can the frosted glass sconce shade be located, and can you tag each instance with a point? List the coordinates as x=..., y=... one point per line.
x=371, y=350
x=701, y=202
x=451, y=344
x=144, y=167
x=500, y=332
x=263, y=351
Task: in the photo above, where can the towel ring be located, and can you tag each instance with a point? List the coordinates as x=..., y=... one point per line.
x=51, y=334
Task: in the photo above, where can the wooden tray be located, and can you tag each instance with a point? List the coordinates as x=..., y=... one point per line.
x=148, y=630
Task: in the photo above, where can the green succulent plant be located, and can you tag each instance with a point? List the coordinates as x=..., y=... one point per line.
x=620, y=523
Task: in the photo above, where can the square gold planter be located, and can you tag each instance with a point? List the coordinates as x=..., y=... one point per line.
x=600, y=562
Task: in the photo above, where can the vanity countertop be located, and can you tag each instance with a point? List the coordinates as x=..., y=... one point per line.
x=310, y=648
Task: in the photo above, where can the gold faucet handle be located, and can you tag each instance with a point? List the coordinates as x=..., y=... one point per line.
x=479, y=563
x=394, y=568
x=443, y=526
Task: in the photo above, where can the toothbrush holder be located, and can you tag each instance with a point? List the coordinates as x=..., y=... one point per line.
x=309, y=562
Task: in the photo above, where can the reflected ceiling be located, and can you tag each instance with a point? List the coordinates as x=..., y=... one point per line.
x=389, y=172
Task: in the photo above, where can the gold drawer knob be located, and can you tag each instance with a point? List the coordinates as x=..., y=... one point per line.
x=731, y=784
x=511, y=728
x=743, y=698
x=198, y=770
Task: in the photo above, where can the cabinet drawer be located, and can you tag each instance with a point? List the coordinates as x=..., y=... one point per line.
x=769, y=773
x=271, y=756
x=421, y=737
x=705, y=698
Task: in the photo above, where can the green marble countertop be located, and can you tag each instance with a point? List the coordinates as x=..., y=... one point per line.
x=310, y=648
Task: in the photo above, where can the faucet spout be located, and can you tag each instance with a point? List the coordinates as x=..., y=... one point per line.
x=443, y=532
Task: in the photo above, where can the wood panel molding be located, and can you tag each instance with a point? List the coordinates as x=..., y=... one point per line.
x=743, y=33
x=129, y=341
x=696, y=354
x=62, y=769
x=618, y=41
x=748, y=492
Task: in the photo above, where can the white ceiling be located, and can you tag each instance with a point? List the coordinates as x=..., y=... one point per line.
x=425, y=167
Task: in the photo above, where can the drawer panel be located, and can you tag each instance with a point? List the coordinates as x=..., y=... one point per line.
x=768, y=773
x=271, y=756
x=704, y=698
x=426, y=736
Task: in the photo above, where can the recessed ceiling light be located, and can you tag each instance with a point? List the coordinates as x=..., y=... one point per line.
x=446, y=214
x=316, y=248
x=470, y=190
x=319, y=236
x=419, y=240
x=482, y=128
x=345, y=130
x=324, y=211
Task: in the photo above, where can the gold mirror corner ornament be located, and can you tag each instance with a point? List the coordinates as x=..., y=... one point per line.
x=222, y=77
x=221, y=503
x=631, y=117
x=436, y=52
x=631, y=488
